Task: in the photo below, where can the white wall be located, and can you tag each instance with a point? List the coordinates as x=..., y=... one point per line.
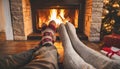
x=7, y=19
x=2, y=22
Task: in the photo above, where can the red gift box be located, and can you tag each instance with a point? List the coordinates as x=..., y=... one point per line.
x=112, y=40
x=111, y=52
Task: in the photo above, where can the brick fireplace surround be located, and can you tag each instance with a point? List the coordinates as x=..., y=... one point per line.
x=21, y=20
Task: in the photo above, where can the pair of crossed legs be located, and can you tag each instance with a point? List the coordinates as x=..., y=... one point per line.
x=78, y=55
x=44, y=56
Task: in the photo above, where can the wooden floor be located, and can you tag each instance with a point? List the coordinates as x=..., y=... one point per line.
x=13, y=47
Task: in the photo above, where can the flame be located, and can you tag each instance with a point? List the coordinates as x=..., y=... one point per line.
x=57, y=15
x=62, y=13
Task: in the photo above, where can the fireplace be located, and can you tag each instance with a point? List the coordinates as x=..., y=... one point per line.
x=25, y=16
x=61, y=11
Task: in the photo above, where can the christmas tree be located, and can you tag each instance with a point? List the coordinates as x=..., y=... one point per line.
x=111, y=17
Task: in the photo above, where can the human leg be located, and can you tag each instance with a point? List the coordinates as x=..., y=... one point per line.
x=46, y=59
x=46, y=56
x=16, y=60
x=20, y=59
x=91, y=56
x=71, y=59
x=48, y=33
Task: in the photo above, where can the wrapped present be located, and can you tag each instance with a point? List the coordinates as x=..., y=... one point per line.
x=111, y=52
x=112, y=40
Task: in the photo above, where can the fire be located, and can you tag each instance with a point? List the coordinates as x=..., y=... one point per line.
x=57, y=16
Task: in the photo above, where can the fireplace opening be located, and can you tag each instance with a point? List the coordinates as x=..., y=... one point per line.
x=58, y=15
x=61, y=11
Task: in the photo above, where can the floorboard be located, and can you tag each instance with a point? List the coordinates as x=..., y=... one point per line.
x=13, y=47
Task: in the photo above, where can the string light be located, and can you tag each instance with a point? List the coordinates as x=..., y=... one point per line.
x=115, y=5
x=106, y=1
x=110, y=17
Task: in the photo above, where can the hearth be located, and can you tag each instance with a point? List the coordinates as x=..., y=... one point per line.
x=23, y=23
x=61, y=11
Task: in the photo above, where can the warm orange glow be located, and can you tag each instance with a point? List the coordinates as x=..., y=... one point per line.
x=58, y=16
